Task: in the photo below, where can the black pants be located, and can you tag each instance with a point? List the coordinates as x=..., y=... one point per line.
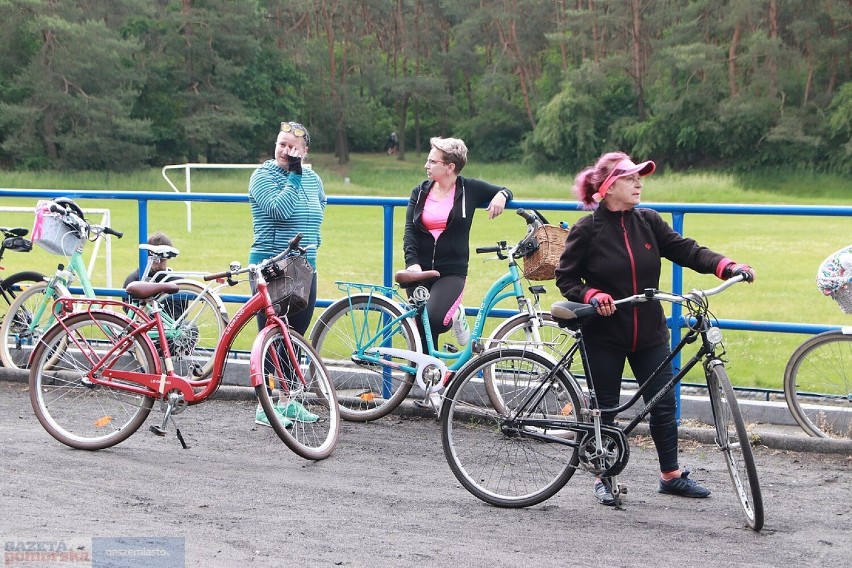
x=607, y=367
x=444, y=295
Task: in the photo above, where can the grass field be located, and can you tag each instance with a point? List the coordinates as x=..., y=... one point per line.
x=785, y=250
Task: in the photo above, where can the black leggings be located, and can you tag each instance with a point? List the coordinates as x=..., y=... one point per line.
x=445, y=294
x=607, y=366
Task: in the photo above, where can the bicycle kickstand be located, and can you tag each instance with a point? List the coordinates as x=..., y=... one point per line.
x=173, y=401
x=617, y=490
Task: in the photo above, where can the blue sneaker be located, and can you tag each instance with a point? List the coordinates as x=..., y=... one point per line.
x=683, y=486
x=261, y=418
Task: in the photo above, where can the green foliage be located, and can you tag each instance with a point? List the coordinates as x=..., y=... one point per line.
x=691, y=83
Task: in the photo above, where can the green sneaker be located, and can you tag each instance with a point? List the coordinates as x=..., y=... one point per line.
x=261, y=418
x=296, y=411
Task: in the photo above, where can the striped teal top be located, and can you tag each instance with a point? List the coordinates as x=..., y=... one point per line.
x=283, y=204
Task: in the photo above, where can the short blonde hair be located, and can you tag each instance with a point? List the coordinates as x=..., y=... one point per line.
x=454, y=150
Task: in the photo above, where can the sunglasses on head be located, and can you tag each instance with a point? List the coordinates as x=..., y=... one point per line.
x=296, y=129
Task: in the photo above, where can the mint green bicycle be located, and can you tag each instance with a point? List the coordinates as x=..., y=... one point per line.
x=194, y=318
x=371, y=345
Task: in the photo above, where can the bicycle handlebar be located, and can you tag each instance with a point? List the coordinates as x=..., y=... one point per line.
x=695, y=294
x=81, y=224
x=292, y=246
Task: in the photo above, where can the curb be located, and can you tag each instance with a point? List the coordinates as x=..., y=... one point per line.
x=779, y=437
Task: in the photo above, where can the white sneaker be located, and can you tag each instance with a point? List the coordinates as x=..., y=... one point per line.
x=460, y=327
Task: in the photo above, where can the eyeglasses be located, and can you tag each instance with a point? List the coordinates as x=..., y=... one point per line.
x=297, y=130
x=433, y=162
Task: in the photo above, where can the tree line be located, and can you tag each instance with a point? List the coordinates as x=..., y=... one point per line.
x=124, y=84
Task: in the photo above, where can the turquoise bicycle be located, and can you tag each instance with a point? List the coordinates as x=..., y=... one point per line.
x=371, y=345
x=195, y=317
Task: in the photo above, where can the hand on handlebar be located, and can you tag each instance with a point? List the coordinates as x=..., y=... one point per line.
x=603, y=304
x=735, y=269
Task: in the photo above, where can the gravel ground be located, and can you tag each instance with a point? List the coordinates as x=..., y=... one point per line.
x=386, y=497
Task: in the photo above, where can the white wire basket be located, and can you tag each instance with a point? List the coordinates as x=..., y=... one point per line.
x=843, y=297
x=57, y=237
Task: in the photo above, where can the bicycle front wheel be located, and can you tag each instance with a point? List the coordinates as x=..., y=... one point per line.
x=508, y=457
x=68, y=404
x=818, y=385
x=732, y=438
x=366, y=390
x=194, y=324
x=302, y=410
x=16, y=338
x=12, y=286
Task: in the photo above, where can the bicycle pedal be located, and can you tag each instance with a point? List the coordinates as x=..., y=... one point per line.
x=158, y=431
x=450, y=348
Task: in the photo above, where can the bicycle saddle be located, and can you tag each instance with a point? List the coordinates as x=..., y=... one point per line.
x=409, y=277
x=144, y=290
x=14, y=232
x=163, y=251
x=566, y=313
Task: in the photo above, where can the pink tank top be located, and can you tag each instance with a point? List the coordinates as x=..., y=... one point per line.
x=436, y=213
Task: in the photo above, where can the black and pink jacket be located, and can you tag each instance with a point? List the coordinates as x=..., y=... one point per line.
x=620, y=253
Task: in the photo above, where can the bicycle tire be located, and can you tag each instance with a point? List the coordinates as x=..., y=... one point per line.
x=489, y=455
x=16, y=342
x=818, y=384
x=196, y=330
x=733, y=439
x=73, y=410
x=311, y=439
x=365, y=391
x=13, y=286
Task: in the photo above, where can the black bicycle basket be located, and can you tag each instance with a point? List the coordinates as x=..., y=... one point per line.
x=289, y=283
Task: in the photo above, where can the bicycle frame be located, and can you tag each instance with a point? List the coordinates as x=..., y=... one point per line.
x=158, y=384
x=372, y=351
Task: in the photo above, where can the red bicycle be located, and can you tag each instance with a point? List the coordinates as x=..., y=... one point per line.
x=96, y=374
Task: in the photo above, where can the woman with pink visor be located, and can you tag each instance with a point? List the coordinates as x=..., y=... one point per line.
x=615, y=252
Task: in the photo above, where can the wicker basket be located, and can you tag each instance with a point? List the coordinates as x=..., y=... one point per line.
x=541, y=264
x=289, y=283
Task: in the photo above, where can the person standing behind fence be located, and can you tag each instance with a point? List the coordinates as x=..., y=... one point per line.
x=287, y=197
x=616, y=252
x=437, y=231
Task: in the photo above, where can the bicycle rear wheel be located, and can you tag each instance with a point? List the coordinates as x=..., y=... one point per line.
x=194, y=326
x=493, y=453
x=365, y=390
x=310, y=406
x=69, y=406
x=818, y=385
x=732, y=438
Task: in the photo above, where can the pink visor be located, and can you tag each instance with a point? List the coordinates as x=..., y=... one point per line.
x=623, y=168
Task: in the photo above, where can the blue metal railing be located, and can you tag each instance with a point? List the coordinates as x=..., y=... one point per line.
x=389, y=204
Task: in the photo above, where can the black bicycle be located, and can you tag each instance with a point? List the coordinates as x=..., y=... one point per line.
x=521, y=447
x=13, y=239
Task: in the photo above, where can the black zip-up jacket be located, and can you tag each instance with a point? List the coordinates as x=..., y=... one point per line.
x=450, y=253
x=620, y=253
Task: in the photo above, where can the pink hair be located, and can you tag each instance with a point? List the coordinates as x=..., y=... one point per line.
x=588, y=181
